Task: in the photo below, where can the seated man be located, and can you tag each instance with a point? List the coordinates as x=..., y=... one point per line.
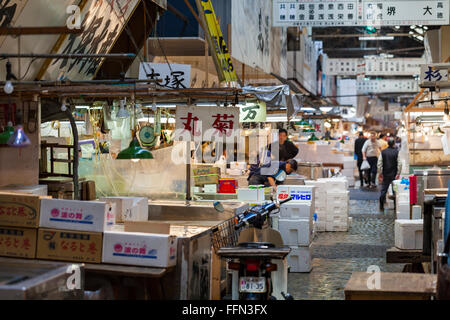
x=275, y=175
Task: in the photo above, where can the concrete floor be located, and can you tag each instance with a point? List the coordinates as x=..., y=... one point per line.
x=336, y=255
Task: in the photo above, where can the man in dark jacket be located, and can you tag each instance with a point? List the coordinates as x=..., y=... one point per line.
x=389, y=167
x=273, y=175
x=359, y=143
x=287, y=150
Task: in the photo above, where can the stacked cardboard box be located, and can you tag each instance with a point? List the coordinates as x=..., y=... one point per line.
x=19, y=220
x=295, y=224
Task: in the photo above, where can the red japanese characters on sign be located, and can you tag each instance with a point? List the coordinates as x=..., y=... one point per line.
x=206, y=123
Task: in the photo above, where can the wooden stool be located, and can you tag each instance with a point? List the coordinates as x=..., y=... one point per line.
x=393, y=286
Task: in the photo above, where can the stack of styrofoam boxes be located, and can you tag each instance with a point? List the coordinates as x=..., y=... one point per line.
x=255, y=195
x=296, y=226
x=338, y=199
x=236, y=168
x=320, y=203
x=409, y=234
x=402, y=200
x=349, y=170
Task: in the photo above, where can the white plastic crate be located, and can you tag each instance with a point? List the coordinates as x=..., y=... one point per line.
x=409, y=234
x=246, y=195
x=299, y=259
x=337, y=196
x=210, y=188
x=348, y=172
x=417, y=212
x=295, y=232
x=296, y=211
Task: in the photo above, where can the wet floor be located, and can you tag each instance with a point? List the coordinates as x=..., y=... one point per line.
x=336, y=255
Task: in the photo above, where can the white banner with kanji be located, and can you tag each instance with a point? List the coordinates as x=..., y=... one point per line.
x=195, y=123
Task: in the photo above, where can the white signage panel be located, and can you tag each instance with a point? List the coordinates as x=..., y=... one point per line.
x=374, y=67
x=432, y=74
x=386, y=86
x=178, y=76
x=194, y=123
x=318, y=13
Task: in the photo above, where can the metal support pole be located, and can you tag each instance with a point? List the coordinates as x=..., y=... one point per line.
x=76, y=188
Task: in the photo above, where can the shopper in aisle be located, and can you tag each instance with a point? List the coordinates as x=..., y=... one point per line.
x=359, y=143
x=389, y=167
x=276, y=175
x=382, y=141
x=287, y=150
x=371, y=150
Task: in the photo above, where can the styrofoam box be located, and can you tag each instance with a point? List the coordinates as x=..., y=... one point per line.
x=349, y=163
x=402, y=197
x=299, y=259
x=348, y=172
x=296, y=211
x=409, y=234
x=337, y=196
x=234, y=172
x=403, y=210
x=77, y=215
x=335, y=184
x=320, y=226
x=210, y=188
x=297, y=193
x=275, y=219
x=130, y=208
x=238, y=165
x=246, y=194
x=334, y=227
x=337, y=207
x=141, y=249
x=417, y=212
x=295, y=232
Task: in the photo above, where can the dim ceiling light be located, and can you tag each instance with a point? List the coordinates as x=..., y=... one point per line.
x=376, y=38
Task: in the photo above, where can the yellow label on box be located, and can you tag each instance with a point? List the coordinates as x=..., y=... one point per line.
x=74, y=246
x=18, y=242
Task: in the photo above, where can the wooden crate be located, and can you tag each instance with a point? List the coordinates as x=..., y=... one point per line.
x=393, y=286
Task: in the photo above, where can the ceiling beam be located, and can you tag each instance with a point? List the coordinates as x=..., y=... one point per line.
x=23, y=31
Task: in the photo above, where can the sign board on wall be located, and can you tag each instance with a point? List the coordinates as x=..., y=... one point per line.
x=431, y=73
x=253, y=112
x=206, y=123
x=387, y=86
x=314, y=13
x=373, y=67
x=178, y=76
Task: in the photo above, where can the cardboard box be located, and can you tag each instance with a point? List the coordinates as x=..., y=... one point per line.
x=18, y=242
x=92, y=216
x=409, y=234
x=17, y=210
x=206, y=175
x=142, y=249
x=74, y=246
x=129, y=208
x=296, y=232
x=296, y=211
x=299, y=259
x=147, y=227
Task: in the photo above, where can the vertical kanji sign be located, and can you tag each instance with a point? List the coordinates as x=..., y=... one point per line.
x=206, y=123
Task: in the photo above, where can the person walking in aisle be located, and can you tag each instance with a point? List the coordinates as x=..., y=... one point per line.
x=389, y=167
x=359, y=143
x=371, y=151
x=382, y=141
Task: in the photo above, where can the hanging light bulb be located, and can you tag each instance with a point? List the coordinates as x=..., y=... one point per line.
x=122, y=113
x=327, y=125
x=19, y=139
x=8, y=88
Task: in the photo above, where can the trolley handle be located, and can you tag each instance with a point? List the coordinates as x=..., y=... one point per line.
x=285, y=200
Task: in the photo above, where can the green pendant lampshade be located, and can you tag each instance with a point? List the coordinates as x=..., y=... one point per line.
x=4, y=136
x=134, y=151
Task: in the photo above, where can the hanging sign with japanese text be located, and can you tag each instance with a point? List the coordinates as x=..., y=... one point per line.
x=434, y=73
x=177, y=76
x=206, y=123
x=314, y=13
x=373, y=66
x=253, y=112
x=386, y=86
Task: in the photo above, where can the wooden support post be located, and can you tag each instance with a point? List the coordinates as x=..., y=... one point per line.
x=215, y=276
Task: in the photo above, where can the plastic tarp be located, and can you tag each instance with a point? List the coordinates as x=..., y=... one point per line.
x=276, y=96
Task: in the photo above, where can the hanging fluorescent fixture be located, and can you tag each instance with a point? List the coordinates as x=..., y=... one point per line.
x=134, y=152
x=376, y=38
x=123, y=112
